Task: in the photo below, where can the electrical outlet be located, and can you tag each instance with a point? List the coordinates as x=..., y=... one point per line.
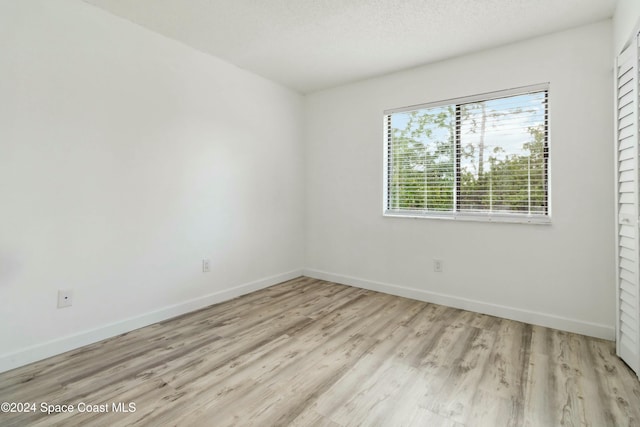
x=437, y=265
x=65, y=298
x=206, y=265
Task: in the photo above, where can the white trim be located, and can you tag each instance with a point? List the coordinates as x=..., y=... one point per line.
x=615, y=201
x=60, y=345
x=479, y=217
x=522, y=315
x=540, y=87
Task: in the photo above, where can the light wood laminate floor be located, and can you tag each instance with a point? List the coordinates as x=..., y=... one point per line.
x=309, y=352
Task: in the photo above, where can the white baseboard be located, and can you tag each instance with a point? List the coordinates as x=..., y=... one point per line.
x=533, y=317
x=60, y=345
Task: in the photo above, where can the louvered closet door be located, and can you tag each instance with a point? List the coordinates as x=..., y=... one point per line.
x=628, y=271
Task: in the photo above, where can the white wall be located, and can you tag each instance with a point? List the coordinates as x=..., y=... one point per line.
x=625, y=20
x=559, y=275
x=125, y=159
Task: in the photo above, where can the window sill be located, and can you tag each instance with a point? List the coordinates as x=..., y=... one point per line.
x=503, y=218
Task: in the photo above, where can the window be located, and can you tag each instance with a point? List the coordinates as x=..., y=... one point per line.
x=481, y=157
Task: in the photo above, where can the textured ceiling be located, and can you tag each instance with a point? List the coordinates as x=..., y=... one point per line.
x=310, y=45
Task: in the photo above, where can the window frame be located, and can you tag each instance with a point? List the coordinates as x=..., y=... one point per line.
x=502, y=217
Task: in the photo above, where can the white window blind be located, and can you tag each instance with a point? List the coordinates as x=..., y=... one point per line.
x=485, y=156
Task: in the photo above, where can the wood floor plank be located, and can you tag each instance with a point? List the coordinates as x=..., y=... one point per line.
x=500, y=394
x=455, y=399
x=371, y=404
x=298, y=385
x=313, y=353
x=310, y=418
